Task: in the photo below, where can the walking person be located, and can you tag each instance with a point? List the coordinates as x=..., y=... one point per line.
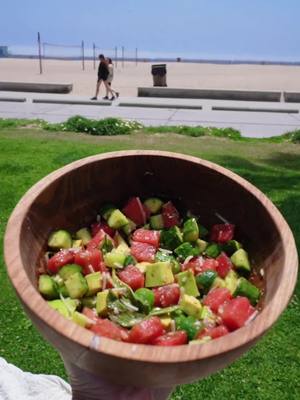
x=102, y=76
x=109, y=80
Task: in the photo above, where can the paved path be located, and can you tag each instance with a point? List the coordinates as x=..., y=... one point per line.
x=252, y=119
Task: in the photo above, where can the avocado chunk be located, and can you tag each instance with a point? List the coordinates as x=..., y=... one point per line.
x=76, y=285
x=206, y=279
x=202, y=245
x=156, y=221
x=231, y=281
x=94, y=282
x=101, y=303
x=76, y=244
x=218, y=283
x=186, y=250
x=153, y=204
x=245, y=288
x=60, y=239
x=162, y=255
x=123, y=248
x=208, y=315
x=48, y=287
x=190, y=305
x=115, y=258
x=187, y=281
x=171, y=238
x=159, y=274
x=67, y=270
x=65, y=307
x=84, y=235
x=240, y=260
x=165, y=321
x=190, y=230
x=142, y=266
x=81, y=319
x=213, y=250
x=117, y=219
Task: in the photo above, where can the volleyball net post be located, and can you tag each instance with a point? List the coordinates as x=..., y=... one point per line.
x=94, y=55
x=116, y=56
x=40, y=53
x=82, y=54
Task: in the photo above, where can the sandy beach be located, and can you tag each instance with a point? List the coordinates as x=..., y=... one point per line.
x=179, y=75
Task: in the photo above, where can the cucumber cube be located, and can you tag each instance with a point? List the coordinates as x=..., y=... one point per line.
x=190, y=230
x=77, y=285
x=48, y=287
x=213, y=250
x=157, y=222
x=60, y=239
x=115, y=259
x=171, y=238
x=117, y=219
x=67, y=270
x=153, y=204
x=106, y=210
x=84, y=235
x=241, y=261
x=94, y=282
x=245, y=288
x=186, y=250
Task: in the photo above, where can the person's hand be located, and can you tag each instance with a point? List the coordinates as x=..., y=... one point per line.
x=86, y=386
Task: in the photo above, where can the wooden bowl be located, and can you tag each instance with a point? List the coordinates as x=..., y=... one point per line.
x=70, y=198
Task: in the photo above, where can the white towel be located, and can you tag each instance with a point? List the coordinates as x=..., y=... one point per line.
x=18, y=385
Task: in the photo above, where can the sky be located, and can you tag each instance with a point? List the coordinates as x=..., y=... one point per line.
x=221, y=29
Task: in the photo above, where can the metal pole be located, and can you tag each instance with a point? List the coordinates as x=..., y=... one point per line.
x=94, y=55
x=122, y=56
x=82, y=51
x=40, y=53
x=136, y=56
x=116, y=56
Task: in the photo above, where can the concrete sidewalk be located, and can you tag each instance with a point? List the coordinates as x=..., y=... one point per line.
x=252, y=119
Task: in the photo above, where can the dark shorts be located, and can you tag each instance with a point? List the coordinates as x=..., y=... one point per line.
x=102, y=77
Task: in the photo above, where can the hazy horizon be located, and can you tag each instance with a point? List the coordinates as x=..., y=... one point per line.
x=194, y=29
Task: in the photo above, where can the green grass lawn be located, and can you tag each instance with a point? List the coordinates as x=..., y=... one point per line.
x=271, y=370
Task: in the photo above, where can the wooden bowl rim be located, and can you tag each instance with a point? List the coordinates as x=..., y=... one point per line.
x=154, y=354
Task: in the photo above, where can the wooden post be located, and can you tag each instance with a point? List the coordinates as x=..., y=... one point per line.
x=94, y=55
x=40, y=53
x=82, y=54
x=122, y=56
x=116, y=56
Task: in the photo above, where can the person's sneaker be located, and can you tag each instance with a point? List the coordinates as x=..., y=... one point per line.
x=112, y=98
x=105, y=98
x=94, y=98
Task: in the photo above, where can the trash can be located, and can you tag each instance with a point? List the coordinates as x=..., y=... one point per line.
x=159, y=72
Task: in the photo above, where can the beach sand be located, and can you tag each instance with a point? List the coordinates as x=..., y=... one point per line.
x=179, y=75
